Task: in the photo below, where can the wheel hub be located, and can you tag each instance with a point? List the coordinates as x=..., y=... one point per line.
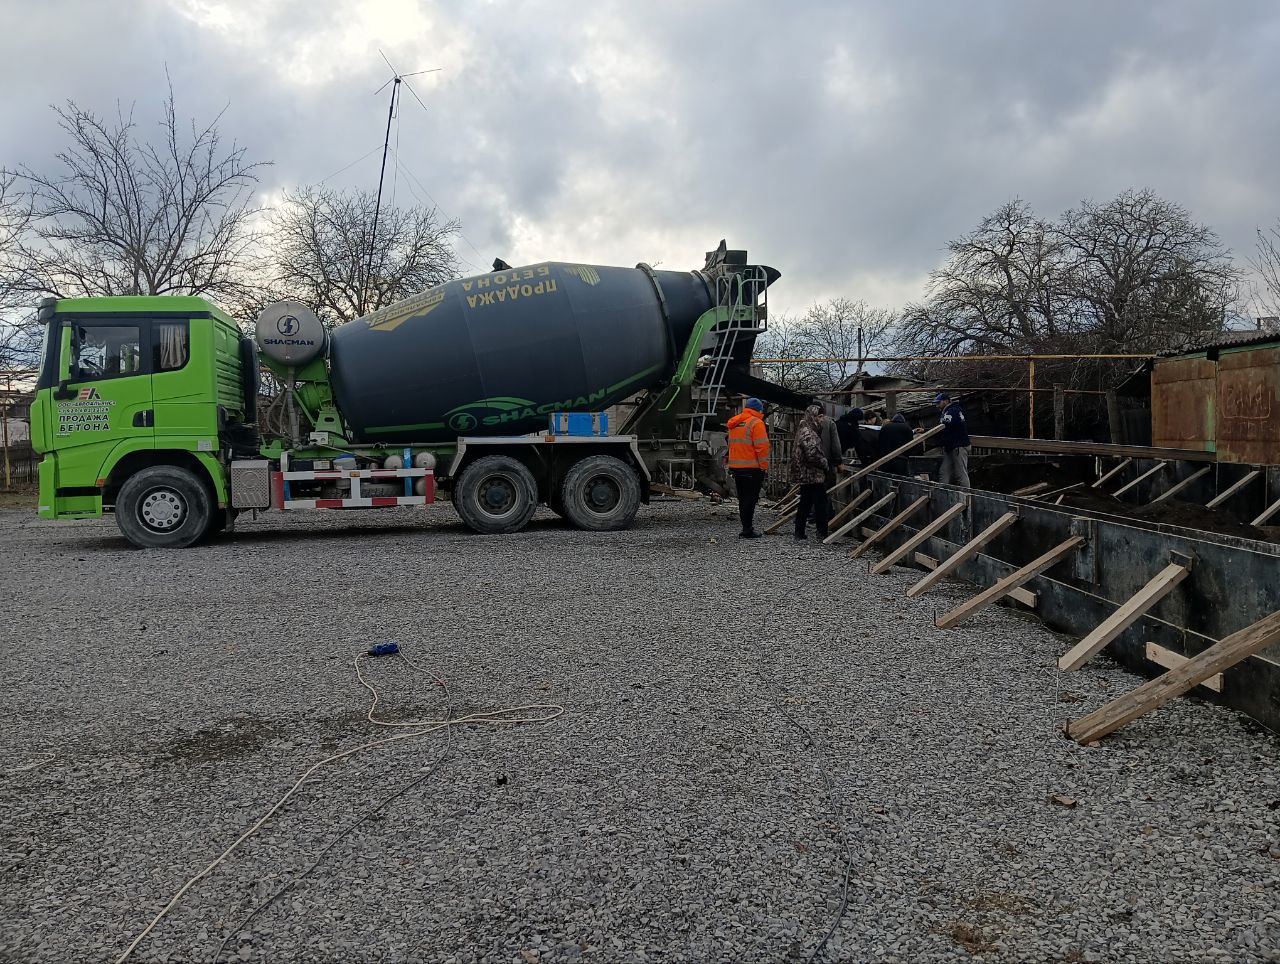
x=162, y=510
x=497, y=495
x=602, y=494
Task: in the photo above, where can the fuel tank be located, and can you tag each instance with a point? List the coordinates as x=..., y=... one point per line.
x=496, y=353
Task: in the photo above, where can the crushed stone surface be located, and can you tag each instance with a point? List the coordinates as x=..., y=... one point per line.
x=740, y=718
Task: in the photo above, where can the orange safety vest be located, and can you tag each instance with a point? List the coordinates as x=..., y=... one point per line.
x=748, y=441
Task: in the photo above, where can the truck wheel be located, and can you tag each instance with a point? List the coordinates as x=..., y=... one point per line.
x=601, y=493
x=163, y=507
x=496, y=494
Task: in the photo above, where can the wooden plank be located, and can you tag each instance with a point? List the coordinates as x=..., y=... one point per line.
x=1024, y=596
x=1267, y=513
x=1171, y=660
x=891, y=560
x=1179, y=486
x=890, y=526
x=1016, y=578
x=1060, y=492
x=965, y=552
x=886, y=459
x=1032, y=489
x=1090, y=448
x=1158, y=467
x=864, y=514
x=1103, y=479
x=1155, y=693
x=843, y=513
x=1218, y=500
x=1160, y=586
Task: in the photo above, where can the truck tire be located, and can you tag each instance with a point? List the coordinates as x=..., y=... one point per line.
x=496, y=494
x=163, y=507
x=600, y=494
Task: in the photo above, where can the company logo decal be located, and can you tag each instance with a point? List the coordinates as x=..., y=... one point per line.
x=584, y=273
x=288, y=325
x=87, y=412
x=89, y=394
x=389, y=319
x=505, y=409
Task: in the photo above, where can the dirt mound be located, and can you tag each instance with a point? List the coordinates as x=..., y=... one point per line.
x=1170, y=512
x=1006, y=475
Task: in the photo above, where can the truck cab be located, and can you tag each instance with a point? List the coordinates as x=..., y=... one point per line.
x=136, y=402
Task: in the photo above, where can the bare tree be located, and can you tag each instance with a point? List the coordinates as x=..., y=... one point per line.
x=320, y=240
x=785, y=340
x=18, y=331
x=1266, y=262
x=131, y=216
x=842, y=329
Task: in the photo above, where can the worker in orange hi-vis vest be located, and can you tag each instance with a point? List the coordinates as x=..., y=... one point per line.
x=748, y=460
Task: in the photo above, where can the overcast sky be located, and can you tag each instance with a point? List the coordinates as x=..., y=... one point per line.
x=843, y=143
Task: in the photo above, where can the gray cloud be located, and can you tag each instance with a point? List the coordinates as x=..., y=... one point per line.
x=844, y=143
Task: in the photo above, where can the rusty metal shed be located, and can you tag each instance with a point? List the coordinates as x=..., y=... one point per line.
x=1222, y=397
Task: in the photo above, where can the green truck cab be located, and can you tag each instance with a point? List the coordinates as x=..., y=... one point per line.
x=135, y=402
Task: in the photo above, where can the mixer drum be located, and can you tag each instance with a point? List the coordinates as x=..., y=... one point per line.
x=495, y=354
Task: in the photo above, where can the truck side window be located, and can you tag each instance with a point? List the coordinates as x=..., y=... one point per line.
x=171, y=346
x=108, y=351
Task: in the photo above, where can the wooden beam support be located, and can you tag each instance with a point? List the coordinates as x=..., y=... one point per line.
x=1129, y=612
x=1155, y=693
x=1103, y=479
x=1267, y=513
x=890, y=526
x=1024, y=596
x=864, y=514
x=1219, y=499
x=1016, y=578
x=1171, y=660
x=1032, y=489
x=844, y=513
x=964, y=553
x=1179, y=486
x=1062, y=491
x=1158, y=467
x=886, y=459
x=892, y=559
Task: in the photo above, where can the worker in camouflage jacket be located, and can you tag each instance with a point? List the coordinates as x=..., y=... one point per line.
x=809, y=467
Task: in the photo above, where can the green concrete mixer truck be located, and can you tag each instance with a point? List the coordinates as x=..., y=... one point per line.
x=488, y=388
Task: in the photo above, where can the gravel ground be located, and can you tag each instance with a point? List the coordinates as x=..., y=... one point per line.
x=157, y=703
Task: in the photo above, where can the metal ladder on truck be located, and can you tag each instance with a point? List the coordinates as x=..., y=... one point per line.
x=744, y=296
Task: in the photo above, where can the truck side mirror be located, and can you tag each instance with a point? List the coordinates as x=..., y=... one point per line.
x=65, y=349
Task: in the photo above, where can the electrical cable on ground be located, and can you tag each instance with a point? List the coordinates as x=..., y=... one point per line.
x=342, y=834
x=547, y=712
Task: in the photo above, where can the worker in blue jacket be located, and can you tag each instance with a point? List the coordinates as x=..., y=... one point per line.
x=955, y=443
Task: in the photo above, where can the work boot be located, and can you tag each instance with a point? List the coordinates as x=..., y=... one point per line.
x=749, y=535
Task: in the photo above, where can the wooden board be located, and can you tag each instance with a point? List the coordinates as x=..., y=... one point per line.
x=864, y=514
x=1024, y=596
x=1059, y=492
x=1032, y=489
x=890, y=526
x=1129, y=612
x=1011, y=581
x=1158, y=467
x=891, y=560
x=1103, y=479
x=1155, y=693
x=843, y=513
x=1179, y=486
x=1218, y=500
x=1267, y=513
x=1171, y=660
x=886, y=459
x=965, y=552
x=1089, y=448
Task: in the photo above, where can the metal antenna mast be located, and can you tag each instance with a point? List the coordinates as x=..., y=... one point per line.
x=396, y=80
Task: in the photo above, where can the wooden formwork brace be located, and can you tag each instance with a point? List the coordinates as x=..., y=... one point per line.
x=857, y=501
x=1179, y=486
x=1155, y=693
x=1267, y=513
x=790, y=513
x=1158, y=467
x=964, y=553
x=1059, y=492
x=1218, y=500
x=1025, y=596
x=1011, y=581
x=1103, y=479
x=889, y=526
x=1124, y=617
x=892, y=559
x=1031, y=490
x=1171, y=660
x=864, y=514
